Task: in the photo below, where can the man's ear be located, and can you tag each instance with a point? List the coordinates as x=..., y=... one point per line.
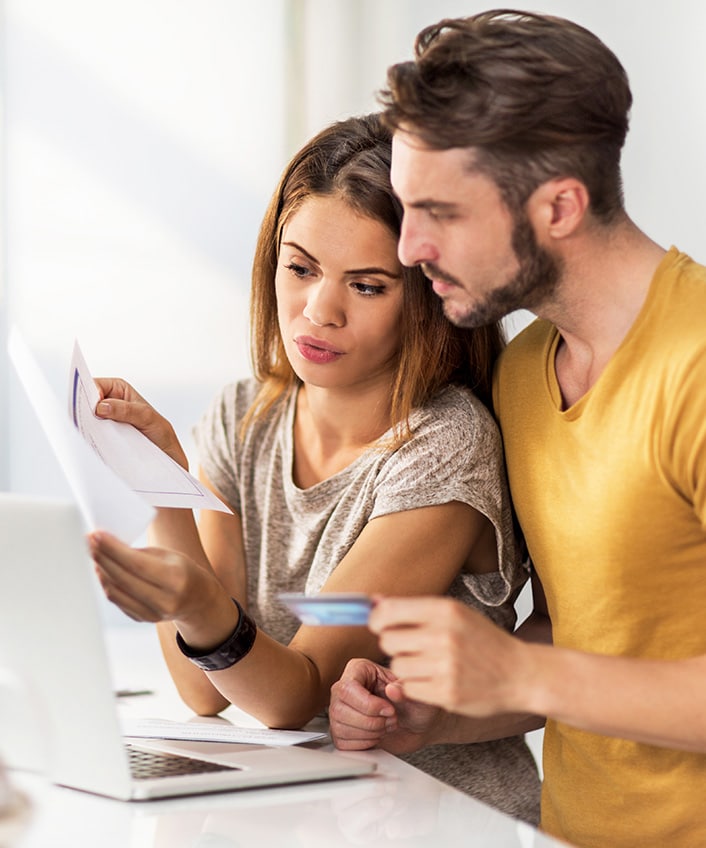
x=558, y=207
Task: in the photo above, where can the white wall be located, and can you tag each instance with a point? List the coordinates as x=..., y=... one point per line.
x=142, y=144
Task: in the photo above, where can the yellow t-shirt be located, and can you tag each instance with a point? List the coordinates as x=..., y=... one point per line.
x=611, y=496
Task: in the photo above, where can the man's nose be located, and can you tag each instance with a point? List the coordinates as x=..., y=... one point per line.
x=415, y=245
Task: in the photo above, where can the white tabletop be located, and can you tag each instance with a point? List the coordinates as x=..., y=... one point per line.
x=397, y=806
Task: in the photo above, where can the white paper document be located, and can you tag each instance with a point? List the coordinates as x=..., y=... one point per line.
x=115, y=473
x=201, y=731
x=104, y=500
x=145, y=468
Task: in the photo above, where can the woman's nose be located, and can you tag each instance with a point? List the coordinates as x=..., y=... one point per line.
x=323, y=305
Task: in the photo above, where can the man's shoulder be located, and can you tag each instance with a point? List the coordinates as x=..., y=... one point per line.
x=528, y=343
x=683, y=284
x=522, y=363
x=676, y=261
x=672, y=319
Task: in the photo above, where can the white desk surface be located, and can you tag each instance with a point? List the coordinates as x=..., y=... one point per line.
x=397, y=806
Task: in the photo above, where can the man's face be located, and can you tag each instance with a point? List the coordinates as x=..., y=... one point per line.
x=483, y=262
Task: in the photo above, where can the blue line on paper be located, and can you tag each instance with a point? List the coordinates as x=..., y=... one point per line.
x=75, y=392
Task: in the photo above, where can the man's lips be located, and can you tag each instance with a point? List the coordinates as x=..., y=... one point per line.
x=441, y=283
x=317, y=350
x=442, y=287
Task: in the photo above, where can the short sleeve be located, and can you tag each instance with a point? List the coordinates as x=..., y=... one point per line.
x=216, y=437
x=456, y=454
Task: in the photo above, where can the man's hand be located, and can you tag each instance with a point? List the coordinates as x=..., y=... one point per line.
x=447, y=655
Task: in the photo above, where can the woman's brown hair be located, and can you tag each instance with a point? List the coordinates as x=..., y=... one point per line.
x=350, y=159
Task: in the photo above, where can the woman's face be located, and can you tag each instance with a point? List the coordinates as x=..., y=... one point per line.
x=339, y=295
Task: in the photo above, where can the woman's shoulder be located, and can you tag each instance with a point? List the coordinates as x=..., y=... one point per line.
x=453, y=423
x=234, y=399
x=227, y=408
x=455, y=406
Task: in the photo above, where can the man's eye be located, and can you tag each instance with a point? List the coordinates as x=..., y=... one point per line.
x=438, y=215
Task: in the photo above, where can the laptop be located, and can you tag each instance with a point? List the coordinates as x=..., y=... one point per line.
x=51, y=637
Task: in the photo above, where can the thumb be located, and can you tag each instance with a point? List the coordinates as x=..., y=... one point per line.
x=394, y=693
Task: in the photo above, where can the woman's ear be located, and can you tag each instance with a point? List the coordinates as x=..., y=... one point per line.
x=558, y=207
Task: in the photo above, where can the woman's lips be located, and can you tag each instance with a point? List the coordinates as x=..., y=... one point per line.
x=316, y=350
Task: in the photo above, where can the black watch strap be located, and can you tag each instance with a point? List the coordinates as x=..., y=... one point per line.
x=235, y=647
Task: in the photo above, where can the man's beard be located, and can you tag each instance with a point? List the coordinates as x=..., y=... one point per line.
x=535, y=281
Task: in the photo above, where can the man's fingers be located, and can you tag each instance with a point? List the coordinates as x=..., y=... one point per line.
x=409, y=612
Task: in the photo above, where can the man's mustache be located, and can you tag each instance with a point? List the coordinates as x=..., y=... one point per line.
x=435, y=273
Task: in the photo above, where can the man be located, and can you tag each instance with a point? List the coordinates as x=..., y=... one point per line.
x=508, y=129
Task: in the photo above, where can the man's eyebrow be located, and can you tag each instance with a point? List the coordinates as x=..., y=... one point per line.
x=432, y=204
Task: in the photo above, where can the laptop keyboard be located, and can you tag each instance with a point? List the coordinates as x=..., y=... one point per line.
x=145, y=765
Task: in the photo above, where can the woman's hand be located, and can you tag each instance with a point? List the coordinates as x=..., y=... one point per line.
x=120, y=402
x=369, y=709
x=153, y=584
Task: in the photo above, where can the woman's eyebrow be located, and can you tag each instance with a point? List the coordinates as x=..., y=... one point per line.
x=300, y=249
x=372, y=270
x=375, y=271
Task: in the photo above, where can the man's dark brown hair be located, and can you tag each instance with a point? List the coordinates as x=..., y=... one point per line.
x=535, y=96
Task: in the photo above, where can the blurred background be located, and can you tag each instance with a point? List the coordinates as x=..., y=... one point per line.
x=142, y=139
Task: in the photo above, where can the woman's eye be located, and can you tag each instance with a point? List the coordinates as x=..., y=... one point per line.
x=297, y=270
x=368, y=289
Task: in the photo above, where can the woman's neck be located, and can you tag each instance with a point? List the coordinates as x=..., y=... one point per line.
x=333, y=427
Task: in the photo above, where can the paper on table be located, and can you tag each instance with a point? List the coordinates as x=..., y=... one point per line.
x=201, y=731
x=104, y=500
x=155, y=476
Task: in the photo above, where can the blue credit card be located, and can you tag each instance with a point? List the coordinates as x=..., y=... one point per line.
x=329, y=608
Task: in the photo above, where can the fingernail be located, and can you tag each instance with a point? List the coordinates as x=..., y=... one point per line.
x=103, y=408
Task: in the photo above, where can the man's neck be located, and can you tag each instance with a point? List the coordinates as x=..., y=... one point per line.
x=606, y=281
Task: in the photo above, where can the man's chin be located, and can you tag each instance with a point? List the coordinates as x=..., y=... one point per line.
x=461, y=316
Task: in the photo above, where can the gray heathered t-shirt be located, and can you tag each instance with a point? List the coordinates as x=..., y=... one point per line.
x=294, y=538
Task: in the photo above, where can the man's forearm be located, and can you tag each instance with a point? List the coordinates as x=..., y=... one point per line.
x=458, y=729
x=656, y=702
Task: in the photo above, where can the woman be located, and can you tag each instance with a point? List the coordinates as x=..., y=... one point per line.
x=358, y=460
